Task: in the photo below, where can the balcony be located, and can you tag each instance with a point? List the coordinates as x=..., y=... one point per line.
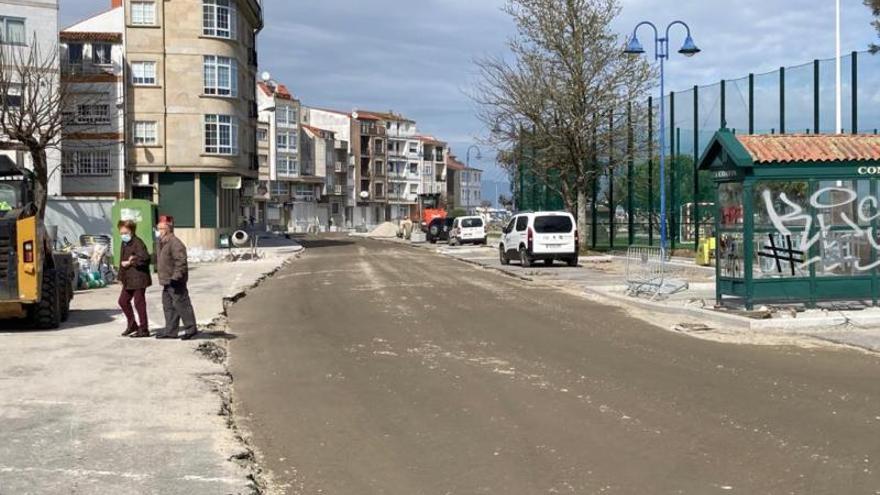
x=339, y=168
x=88, y=68
x=372, y=130
x=337, y=190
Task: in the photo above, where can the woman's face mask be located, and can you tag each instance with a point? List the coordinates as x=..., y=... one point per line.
x=125, y=237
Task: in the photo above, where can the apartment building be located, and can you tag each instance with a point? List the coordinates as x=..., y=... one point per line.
x=404, y=161
x=470, y=189
x=454, y=169
x=341, y=124
x=23, y=26
x=371, y=152
x=191, y=110
x=92, y=70
x=323, y=153
x=290, y=183
x=433, y=176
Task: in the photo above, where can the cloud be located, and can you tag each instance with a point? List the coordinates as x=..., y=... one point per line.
x=415, y=56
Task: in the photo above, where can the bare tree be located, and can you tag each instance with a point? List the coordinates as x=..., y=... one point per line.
x=566, y=75
x=32, y=98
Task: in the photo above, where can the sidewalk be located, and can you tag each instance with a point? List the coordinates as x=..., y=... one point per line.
x=86, y=411
x=602, y=278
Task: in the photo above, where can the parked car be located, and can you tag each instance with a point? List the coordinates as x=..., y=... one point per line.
x=468, y=229
x=438, y=229
x=543, y=235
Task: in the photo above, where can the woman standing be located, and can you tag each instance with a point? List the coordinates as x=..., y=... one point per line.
x=134, y=273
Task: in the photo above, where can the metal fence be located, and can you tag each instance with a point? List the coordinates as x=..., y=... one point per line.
x=625, y=203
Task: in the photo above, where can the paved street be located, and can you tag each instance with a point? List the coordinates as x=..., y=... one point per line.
x=370, y=367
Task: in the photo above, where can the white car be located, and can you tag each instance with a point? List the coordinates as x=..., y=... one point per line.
x=468, y=229
x=543, y=235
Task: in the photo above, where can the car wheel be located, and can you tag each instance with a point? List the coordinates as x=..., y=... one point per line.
x=502, y=255
x=524, y=259
x=548, y=262
x=572, y=261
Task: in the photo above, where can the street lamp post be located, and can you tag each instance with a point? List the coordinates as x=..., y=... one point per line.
x=468, y=157
x=661, y=53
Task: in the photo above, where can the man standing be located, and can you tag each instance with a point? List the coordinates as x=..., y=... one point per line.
x=173, y=275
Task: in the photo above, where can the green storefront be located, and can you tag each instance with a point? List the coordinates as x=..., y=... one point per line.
x=797, y=217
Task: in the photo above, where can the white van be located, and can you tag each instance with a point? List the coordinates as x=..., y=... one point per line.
x=468, y=229
x=543, y=235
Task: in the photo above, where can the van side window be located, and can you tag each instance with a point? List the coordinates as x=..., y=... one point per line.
x=510, y=224
x=521, y=223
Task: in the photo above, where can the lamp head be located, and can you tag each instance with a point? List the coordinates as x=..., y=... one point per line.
x=689, y=49
x=634, y=47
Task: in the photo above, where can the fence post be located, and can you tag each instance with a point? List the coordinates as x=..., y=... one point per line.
x=782, y=100
x=674, y=216
x=670, y=207
x=751, y=103
x=696, y=210
x=611, y=209
x=855, y=91
x=630, y=163
x=650, y=170
x=815, y=96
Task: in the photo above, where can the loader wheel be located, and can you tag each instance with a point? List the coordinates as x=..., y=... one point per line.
x=46, y=314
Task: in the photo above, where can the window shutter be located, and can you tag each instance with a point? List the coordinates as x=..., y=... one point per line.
x=234, y=136
x=233, y=22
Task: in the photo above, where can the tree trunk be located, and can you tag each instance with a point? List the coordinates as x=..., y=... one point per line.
x=582, y=200
x=41, y=186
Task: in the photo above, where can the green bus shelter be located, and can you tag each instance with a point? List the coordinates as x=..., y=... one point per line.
x=797, y=217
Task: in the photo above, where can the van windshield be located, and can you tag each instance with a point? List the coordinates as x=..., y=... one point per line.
x=556, y=224
x=471, y=222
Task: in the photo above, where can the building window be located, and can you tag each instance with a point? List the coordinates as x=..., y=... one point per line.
x=75, y=53
x=279, y=188
x=143, y=13
x=221, y=76
x=413, y=148
x=146, y=132
x=304, y=192
x=221, y=135
x=143, y=73
x=285, y=116
x=12, y=30
x=286, y=165
x=262, y=134
x=92, y=114
x=12, y=98
x=101, y=53
x=286, y=141
x=91, y=162
x=219, y=18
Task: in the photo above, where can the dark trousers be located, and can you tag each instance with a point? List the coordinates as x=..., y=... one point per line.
x=140, y=305
x=177, y=307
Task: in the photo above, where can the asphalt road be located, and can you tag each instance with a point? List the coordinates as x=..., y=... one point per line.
x=372, y=368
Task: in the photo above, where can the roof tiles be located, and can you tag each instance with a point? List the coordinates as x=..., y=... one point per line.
x=787, y=148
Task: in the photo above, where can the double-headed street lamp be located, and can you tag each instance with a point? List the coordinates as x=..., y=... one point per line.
x=661, y=53
x=468, y=157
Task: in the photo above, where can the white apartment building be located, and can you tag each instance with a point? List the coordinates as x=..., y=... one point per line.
x=433, y=170
x=292, y=188
x=93, y=70
x=23, y=25
x=404, y=164
x=341, y=125
x=470, y=189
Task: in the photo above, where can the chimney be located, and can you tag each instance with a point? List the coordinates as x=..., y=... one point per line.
x=115, y=3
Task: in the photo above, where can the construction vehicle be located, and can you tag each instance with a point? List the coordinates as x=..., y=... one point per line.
x=36, y=283
x=431, y=208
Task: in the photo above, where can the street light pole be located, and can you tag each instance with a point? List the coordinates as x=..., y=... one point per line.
x=661, y=54
x=468, y=157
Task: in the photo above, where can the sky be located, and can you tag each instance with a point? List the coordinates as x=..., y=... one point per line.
x=415, y=57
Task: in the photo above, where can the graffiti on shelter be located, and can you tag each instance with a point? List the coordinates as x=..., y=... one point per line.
x=787, y=250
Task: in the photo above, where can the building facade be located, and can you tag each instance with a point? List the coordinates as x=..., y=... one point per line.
x=26, y=26
x=93, y=72
x=470, y=189
x=404, y=162
x=371, y=152
x=344, y=173
x=191, y=136
x=433, y=171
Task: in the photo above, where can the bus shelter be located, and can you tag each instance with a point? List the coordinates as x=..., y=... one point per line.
x=797, y=217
